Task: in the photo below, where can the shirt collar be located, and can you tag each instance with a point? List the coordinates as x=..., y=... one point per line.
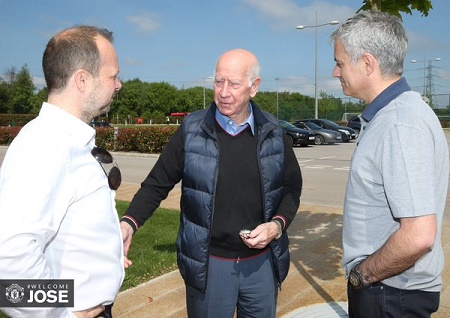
x=231, y=127
x=79, y=130
x=389, y=94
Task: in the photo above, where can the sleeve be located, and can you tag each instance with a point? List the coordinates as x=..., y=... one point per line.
x=292, y=187
x=408, y=171
x=166, y=173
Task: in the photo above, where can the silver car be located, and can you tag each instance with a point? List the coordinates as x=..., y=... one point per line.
x=323, y=136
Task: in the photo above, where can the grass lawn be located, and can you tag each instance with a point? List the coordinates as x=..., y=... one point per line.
x=153, y=249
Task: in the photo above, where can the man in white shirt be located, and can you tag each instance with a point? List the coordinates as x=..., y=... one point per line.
x=57, y=201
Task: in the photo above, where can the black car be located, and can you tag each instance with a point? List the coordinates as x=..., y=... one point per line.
x=323, y=136
x=346, y=132
x=355, y=123
x=296, y=135
x=100, y=124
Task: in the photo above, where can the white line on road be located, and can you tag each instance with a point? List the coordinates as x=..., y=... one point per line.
x=329, y=157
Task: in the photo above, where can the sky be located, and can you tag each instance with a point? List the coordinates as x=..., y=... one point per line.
x=179, y=41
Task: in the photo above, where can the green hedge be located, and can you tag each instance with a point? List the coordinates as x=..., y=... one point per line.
x=7, y=134
x=151, y=139
x=13, y=120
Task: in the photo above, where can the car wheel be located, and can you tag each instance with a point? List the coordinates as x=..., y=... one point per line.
x=345, y=138
x=319, y=140
x=291, y=140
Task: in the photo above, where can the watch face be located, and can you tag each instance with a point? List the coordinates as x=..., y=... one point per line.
x=354, y=279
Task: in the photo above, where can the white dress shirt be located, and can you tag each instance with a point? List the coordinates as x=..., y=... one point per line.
x=57, y=212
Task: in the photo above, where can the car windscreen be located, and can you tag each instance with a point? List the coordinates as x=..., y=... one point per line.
x=331, y=123
x=313, y=126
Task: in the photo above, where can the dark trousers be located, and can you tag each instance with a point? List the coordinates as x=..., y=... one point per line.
x=382, y=301
x=247, y=286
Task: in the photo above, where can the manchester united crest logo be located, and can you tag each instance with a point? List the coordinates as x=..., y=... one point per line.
x=14, y=293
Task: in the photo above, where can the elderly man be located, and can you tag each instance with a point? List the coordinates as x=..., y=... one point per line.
x=241, y=186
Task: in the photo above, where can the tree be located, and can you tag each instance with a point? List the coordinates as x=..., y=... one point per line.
x=10, y=75
x=163, y=97
x=398, y=6
x=42, y=96
x=3, y=97
x=191, y=99
x=21, y=98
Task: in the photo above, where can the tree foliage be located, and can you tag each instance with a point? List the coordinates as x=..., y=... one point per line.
x=17, y=91
x=397, y=7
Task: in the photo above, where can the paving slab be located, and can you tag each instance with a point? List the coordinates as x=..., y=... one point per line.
x=314, y=287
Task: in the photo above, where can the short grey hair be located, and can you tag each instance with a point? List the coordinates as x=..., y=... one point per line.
x=253, y=73
x=377, y=33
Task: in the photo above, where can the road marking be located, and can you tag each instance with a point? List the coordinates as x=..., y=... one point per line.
x=322, y=167
x=329, y=157
x=306, y=160
x=317, y=167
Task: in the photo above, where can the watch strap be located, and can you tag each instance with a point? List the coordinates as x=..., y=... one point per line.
x=279, y=227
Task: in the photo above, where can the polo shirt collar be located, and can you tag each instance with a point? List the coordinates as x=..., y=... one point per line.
x=389, y=94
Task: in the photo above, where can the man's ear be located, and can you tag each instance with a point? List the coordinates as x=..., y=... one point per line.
x=82, y=79
x=255, y=86
x=370, y=63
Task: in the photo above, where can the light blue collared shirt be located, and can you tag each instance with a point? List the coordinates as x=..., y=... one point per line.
x=231, y=127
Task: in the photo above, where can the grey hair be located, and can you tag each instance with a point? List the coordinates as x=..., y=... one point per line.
x=253, y=73
x=377, y=33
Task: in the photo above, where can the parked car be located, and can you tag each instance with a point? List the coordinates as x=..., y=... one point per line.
x=323, y=136
x=296, y=135
x=99, y=124
x=355, y=123
x=346, y=132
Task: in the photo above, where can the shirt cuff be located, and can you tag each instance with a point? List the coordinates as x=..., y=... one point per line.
x=281, y=220
x=131, y=221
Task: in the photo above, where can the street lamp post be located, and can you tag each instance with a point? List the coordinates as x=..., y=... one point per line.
x=277, y=79
x=204, y=96
x=316, y=26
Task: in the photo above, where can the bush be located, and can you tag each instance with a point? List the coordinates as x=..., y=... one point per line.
x=7, y=134
x=143, y=139
x=140, y=139
x=445, y=124
x=13, y=120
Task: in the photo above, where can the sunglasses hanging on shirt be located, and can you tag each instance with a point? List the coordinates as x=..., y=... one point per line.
x=104, y=157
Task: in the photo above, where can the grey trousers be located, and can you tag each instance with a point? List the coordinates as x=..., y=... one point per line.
x=247, y=286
